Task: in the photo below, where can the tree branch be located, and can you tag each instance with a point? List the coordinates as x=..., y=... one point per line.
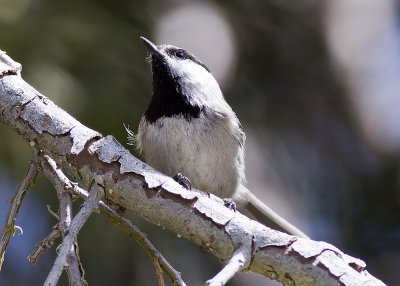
x=240, y=258
x=16, y=201
x=72, y=232
x=44, y=244
x=60, y=181
x=74, y=268
x=202, y=218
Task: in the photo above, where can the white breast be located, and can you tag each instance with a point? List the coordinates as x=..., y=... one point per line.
x=208, y=155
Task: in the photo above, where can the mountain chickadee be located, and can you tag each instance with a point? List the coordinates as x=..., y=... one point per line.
x=189, y=128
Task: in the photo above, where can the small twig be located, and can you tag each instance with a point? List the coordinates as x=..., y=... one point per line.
x=10, y=227
x=74, y=269
x=71, y=233
x=57, y=177
x=159, y=272
x=240, y=258
x=53, y=213
x=45, y=244
x=135, y=232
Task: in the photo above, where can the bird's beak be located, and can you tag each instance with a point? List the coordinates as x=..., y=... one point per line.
x=152, y=47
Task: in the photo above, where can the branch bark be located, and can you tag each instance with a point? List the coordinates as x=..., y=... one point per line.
x=87, y=156
x=63, y=184
x=15, y=204
x=71, y=234
x=234, y=265
x=74, y=268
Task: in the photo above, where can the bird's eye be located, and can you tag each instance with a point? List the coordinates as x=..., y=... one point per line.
x=180, y=54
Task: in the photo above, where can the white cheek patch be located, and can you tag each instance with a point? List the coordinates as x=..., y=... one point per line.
x=196, y=82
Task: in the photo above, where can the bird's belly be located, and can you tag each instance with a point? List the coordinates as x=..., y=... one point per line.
x=175, y=146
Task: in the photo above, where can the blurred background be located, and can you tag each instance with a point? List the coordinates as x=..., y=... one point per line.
x=316, y=85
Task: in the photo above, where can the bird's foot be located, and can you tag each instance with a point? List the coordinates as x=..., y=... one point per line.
x=229, y=204
x=183, y=181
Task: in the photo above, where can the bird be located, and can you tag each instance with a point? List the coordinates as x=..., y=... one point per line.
x=190, y=132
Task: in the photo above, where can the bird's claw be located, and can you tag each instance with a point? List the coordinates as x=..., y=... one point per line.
x=229, y=204
x=183, y=181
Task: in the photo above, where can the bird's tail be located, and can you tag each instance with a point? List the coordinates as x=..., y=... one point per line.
x=264, y=214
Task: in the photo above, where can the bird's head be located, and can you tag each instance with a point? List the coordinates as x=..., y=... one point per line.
x=179, y=75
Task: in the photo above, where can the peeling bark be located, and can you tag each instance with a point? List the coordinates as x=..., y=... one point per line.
x=86, y=155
